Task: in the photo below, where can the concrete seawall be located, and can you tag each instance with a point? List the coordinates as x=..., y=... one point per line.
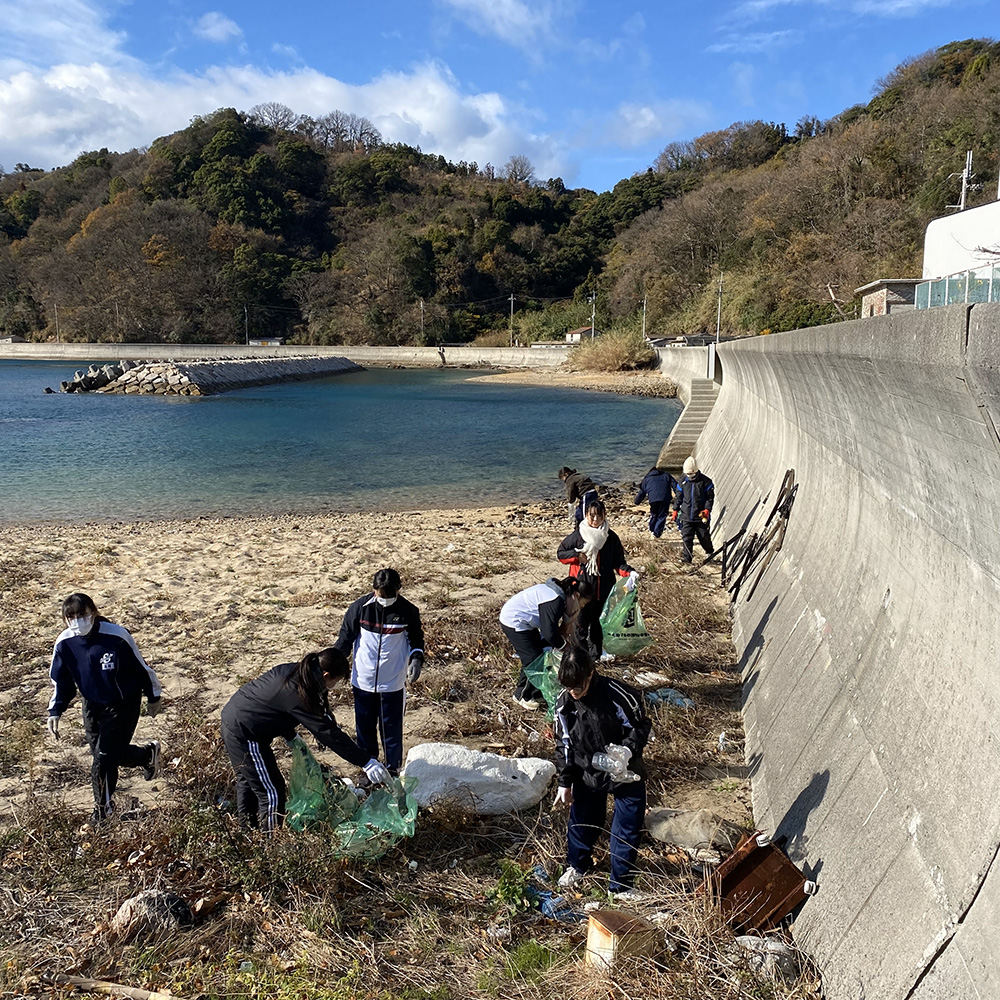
x=870, y=648
x=497, y=357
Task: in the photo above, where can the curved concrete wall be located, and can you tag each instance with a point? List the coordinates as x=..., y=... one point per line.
x=870, y=648
x=500, y=357
x=683, y=364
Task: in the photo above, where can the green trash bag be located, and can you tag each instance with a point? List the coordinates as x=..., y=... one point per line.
x=387, y=816
x=312, y=797
x=624, y=630
x=543, y=674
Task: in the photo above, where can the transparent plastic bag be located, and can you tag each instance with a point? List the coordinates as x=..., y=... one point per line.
x=387, y=816
x=312, y=796
x=624, y=630
x=543, y=673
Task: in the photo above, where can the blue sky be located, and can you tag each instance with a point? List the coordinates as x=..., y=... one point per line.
x=589, y=91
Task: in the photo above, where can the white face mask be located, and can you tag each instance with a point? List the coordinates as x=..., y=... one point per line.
x=385, y=601
x=80, y=626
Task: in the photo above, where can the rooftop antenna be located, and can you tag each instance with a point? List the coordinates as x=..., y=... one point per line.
x=966, y=176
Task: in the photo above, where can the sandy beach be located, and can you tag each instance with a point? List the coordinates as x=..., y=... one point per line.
x=212, y=603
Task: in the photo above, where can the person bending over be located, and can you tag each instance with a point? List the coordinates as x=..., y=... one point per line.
x=383, y=631
x=580, y=492
x=538, y=618
x=593, y=713
x=271, y=706
x=101, y=661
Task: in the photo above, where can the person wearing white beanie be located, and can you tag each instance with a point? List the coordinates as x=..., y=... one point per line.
x=693, y=500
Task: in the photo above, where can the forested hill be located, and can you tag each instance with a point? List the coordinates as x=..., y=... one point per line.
x=269, y=222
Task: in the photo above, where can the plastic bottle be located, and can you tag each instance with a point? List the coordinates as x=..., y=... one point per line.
x=614, y=760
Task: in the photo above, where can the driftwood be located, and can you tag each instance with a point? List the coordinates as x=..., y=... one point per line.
x=112, y=989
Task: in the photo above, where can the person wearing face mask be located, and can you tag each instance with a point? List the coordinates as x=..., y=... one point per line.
x=595, y=555
x=272, y=705
x=383, y=632
x=101, y=661
x=694, y=496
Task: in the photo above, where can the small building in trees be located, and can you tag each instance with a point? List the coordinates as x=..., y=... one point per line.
x=886, y=295
x=266, y=341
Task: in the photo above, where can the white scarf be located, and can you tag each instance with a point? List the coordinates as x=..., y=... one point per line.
x=593, y=542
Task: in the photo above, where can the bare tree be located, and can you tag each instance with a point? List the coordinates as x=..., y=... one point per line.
x=342, y=132
x=274, y=115
x=518, y=170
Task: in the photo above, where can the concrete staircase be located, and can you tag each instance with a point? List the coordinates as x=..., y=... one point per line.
x=684, y=436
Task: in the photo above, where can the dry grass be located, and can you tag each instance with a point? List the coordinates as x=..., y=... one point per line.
x=441, y=916
x=621, y=349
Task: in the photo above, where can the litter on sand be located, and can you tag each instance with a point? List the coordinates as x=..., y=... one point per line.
x=669, y=696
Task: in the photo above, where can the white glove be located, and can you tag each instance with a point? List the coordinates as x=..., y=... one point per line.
x=154, y=707
x=564, y=797
x=52, y=724
x=414, y=666
x=630, y=583
x=378, y=773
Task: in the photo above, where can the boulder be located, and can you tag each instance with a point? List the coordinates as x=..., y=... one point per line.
x=483, y=783
x=693, y=829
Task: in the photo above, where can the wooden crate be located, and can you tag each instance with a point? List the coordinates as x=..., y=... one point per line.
x=613, y=935
x=757, y=886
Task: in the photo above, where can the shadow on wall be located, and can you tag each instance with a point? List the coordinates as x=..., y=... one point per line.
x=752, y=652
x=792, y=825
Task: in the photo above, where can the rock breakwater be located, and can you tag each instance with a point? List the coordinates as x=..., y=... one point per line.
x=203, y=378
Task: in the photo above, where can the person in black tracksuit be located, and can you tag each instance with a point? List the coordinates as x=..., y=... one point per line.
x=384, y=633
x=581, y=491
x=694, y=497
x=538, y=618
x=593, y=712
x=595, y=555
x=101, y=661
x=271, y=706
x=659, y=486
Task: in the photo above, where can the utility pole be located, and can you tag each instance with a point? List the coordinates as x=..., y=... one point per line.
x=246, y=323
x=593, y=312
x=55, y=305
x=644, y=317
x=718, y=312
x=511, y=319
x=966, y=176
x=421, y=321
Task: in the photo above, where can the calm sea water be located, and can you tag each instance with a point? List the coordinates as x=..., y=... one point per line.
x=380, y=439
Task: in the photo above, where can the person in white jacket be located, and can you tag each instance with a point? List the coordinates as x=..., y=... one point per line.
x=538, y=618
x=383, y=633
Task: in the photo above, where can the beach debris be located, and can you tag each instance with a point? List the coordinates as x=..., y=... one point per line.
x=693, y=829
x=669, y=696
x=149, y=914
x=483, y=783
x=769, y=956
x=613, y=935
x=651, y=679
x=757, y=886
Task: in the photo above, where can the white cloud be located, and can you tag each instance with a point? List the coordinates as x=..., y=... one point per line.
x=216, y=27
x=48, y=117
x=758, y=41
x=57, y=31
x=754, y=10
x=634, y=124
x=520, y=24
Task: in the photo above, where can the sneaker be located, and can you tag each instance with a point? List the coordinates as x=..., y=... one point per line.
x=100, y=816
x=152, y=769
x=570, y=878
x=529, y=704
x=628, y=896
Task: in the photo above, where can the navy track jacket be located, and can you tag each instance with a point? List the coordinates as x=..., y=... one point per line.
x=105, y=666
x=382, y=641
x=658, y=485
x=269, y=706
x=610, y=712
x=693, y=495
